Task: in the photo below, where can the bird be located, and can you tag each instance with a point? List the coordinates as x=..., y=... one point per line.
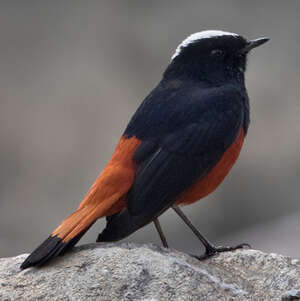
x=177, y=148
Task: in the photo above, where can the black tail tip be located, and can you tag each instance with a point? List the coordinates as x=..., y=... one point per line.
x=49, y=249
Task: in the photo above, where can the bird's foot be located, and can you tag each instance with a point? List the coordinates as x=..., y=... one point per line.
x=213, y=250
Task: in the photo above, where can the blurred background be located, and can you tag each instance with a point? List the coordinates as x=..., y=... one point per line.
x=73, y=72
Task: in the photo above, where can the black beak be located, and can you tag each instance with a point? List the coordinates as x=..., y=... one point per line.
x=255, y=43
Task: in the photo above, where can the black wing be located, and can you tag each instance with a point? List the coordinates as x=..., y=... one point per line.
x=167, y=167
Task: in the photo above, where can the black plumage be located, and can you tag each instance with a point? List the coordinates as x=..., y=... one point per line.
x=185, y=124
x=181, y=131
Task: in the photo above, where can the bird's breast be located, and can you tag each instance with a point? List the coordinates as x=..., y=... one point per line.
x=214, y=178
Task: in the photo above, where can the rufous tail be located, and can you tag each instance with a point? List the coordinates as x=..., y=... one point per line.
x=105, y=197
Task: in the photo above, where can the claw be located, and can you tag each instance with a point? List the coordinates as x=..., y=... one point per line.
x=242, y=246
x=211, y=251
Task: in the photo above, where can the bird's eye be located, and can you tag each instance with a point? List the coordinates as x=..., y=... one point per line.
x=217, y=53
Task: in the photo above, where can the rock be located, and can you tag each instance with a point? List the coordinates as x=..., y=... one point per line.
x=291, y=295
x=149, y=273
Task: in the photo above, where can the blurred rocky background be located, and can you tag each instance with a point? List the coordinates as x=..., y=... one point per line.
x=73, y=72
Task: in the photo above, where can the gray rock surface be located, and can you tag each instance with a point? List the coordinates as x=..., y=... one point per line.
x=149, y=273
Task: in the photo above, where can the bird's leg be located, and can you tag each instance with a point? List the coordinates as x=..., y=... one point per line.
x=160, y=232
x=210, y=249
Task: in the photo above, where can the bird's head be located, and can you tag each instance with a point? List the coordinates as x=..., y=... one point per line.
x=212, y=55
